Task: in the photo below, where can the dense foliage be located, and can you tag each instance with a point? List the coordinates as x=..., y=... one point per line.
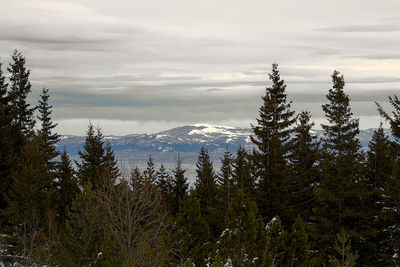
x=293, y=200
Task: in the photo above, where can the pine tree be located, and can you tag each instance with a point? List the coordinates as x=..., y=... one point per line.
x=20, y=87
x=271, y=137
x=244, y=239
x=242, y=174
x=150, y=172
x=392, y=186
x=98, y=164
x=47, y=139
x=393, y=120
x=296, y=245
x=342, y=192
x=6, y=143
x=179, y=186
x=191, y=235
x=343, y=249
x=303, y=159
x=67, y=185
x=224, y=180
x=111, y=170
x=164, y=183
x=136, y=176
x=87, y=240
x=28, y=203
x=380, y=166
x=206, y=191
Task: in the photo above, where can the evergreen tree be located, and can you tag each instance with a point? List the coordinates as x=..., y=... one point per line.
x=20, y=87
x=244, y=239
x=47, y=139
x=136, y=176
x=6, y=143
x=67, y=185
x=98, y=164
x=380, y=166
x=87, y=240
x=343, y=249
x=303, y=159
x=191, y=235
x=271, y=137
x=179, y=186
x=242, y=174
x=206, y=191
x=28, y=203
x=296, y=245
x=342, y=193
x=164, y=183
x=224, y=180
x=150, y=172
x=392, y=186
x=111, y=170
x=393, y=120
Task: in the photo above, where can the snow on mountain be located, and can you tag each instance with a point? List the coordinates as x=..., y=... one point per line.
x=187, y=141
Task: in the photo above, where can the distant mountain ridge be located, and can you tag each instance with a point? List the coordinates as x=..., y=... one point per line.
x=186, y=140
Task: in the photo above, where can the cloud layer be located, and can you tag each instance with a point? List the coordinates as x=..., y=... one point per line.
x=157, y=64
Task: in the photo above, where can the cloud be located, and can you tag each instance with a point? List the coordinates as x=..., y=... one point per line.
x=182, y=62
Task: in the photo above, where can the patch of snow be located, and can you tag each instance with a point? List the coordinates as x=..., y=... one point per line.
x=159, y=136
x=228, y=263
x=268, y=226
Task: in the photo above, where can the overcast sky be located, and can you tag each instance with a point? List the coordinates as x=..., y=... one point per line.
x=143, y=66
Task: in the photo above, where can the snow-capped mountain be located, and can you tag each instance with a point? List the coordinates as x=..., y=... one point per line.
x=187, y=141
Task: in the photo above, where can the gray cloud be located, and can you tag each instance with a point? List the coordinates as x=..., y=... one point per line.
x=188, y=62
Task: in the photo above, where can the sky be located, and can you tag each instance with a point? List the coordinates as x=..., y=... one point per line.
x=146, y=66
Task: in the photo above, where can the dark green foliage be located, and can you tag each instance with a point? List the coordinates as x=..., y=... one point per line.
x=242, y=174
x=179, y=187
x=67, y=185
x=136, y=176
x=28, y=203
x=87, y=241
x=344, y=256
x=342, y=193
x=20, y=87
x=7, y=158
x=191, y=235
x=303, y=159
x=111, y=170
x=165, y=186
x=391, y=180
x=150, y=172
x=244, y=239
x=393, y=120
x=225, y=181
x=206, y=192
x=296, y=245
x=98, y=164
x=47, y=139
x=271, y=135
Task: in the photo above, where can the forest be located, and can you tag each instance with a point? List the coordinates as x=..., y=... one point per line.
x=294, y=200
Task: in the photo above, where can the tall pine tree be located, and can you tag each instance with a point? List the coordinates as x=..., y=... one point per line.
x=242, y=173
x=206, y=191
x=303, y=160
x=98, y=164
x=20, y=87
x=67, y=185
x=179, y=186
x=6, y=143
x=271, y=136
x=47, y=139
x=224, y=180
x=342, y=193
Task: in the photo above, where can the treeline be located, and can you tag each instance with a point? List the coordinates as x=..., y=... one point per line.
x=294, y=200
